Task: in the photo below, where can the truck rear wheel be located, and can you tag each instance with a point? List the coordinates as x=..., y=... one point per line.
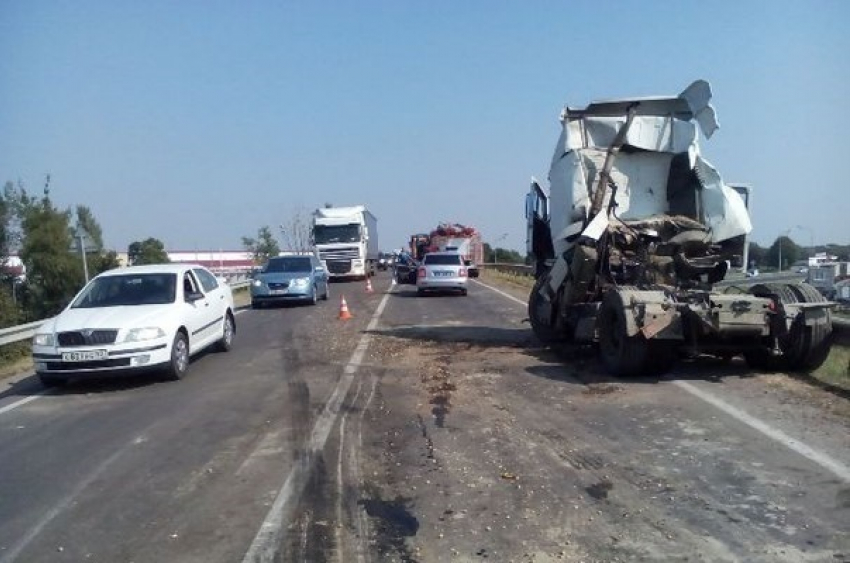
x=804, y=347
x=808, y=345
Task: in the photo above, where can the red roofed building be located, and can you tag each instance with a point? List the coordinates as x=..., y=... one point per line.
x=13, y=267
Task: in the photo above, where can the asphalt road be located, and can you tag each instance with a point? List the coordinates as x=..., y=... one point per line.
x=423, y=429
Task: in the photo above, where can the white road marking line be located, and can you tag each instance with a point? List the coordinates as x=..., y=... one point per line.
x=12, y=553
x=500, y=292
x=833, y=466
x=20, y=402
x=269, y=536
x=340, y=553
x=362, y=521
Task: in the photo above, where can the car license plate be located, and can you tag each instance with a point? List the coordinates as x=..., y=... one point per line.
x=443, y=274
x=85, y=356
x=277, y=291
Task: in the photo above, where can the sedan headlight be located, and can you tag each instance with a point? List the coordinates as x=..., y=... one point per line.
x=258, y=283
x=43, y=340
x=300, y=282
x=146, y=333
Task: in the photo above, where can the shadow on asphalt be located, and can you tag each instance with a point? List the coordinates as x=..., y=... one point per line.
x=426, y=295
x=89, y=384
x=566, y=363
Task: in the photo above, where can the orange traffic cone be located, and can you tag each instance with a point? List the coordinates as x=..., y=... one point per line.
x=369, y=285
x=344, y=315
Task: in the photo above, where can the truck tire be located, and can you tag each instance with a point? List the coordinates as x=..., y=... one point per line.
x=541, y=317
x=808, y=346
x=621, y=354
x=803, y=347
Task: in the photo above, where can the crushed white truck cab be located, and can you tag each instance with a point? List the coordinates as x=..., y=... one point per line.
x=635, y=230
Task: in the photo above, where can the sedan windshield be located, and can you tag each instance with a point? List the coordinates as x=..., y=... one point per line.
x=442, y=259
x=288, y=264
x=131, y=289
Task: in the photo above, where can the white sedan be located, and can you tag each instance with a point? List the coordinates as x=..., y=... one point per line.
x=138, y=318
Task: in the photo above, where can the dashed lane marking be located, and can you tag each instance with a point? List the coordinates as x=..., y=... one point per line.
x=266, y=543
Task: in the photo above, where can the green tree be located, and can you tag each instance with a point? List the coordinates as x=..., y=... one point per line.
x=148, y=251
x=263, y=247
x=90, y=226
x=502, y=255
x=99, y=260
x=790, y=252
x=9, y=312
x=54, y=273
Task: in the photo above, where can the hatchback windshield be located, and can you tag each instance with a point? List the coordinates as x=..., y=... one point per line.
x=136, y=289
x=288, y=264
x=442, y=259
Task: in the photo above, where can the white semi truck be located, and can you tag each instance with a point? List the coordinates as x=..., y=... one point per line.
x=346, y=240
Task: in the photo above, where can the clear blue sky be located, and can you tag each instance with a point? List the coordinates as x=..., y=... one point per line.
x=199, y=121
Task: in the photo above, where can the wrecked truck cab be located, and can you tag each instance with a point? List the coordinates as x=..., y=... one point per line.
x=636, y=229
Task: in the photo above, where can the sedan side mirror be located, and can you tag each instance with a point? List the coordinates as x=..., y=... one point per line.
x=193, y=296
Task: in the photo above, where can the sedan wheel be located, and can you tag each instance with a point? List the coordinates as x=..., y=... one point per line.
x=226, y=342
x=179, y=364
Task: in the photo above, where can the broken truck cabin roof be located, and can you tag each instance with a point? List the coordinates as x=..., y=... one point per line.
x=692, y=104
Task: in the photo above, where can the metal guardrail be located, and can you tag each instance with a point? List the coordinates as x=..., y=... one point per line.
x=27, y=331
x=20, y=332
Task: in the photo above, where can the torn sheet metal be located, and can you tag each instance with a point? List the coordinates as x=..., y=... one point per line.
x=648, y=167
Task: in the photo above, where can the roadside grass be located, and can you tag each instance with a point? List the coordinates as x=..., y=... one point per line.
x=241, y=297
x=525, y=282
x=9, y=368
x=835, y=371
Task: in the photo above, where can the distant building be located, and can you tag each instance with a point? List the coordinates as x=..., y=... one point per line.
x=220, y=262
x=825, y=276
x=821, y=258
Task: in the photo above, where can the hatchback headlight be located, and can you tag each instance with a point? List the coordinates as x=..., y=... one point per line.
x=146, y=333
x=300, y=282
x=258, y=283
x=43, y=340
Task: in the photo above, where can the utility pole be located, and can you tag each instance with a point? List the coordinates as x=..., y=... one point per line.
x=81, y=235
